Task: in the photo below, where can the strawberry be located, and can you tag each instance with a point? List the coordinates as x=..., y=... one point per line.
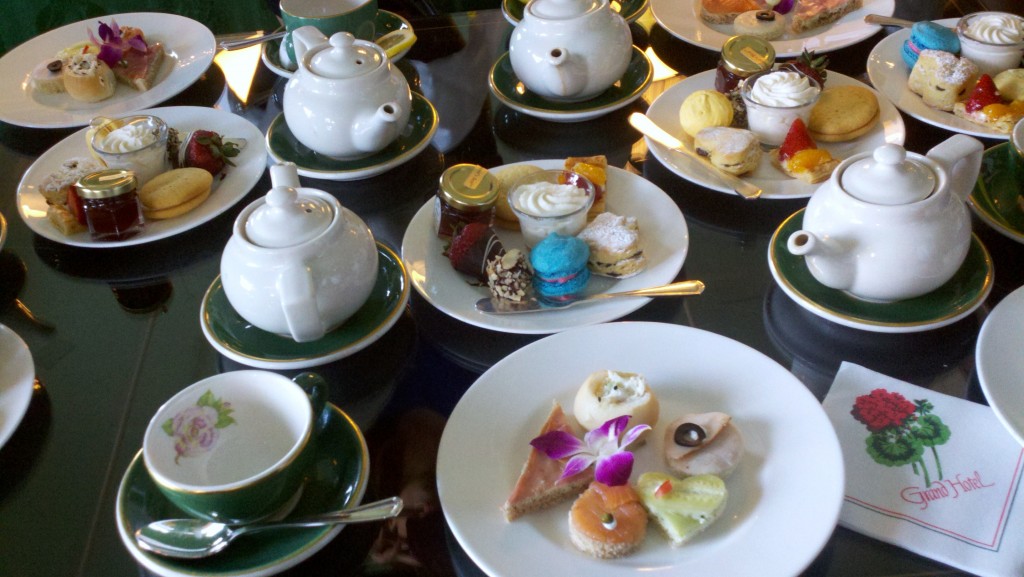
x=809, y=64
x=206, y=149
x=797, y=139
x=471, y=247
x=984, y=93
x=75, y=205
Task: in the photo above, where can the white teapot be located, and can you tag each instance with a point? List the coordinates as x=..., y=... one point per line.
x=890, y=224
x=345, y=100
x=570, y=50
x=298, y=264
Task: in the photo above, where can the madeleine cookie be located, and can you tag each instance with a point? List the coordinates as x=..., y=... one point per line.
x=615, y=248
x=175, y=192
x=843, y=113
x=734, y=150
x=506, y=177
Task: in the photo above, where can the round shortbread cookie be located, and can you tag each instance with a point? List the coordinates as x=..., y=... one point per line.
x=1010, y=83
x=843, y=113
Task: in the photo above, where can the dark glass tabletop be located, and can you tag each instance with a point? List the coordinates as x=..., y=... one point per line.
x=126, y=330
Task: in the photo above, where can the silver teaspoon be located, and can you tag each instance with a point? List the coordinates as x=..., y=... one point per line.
x=195, y=538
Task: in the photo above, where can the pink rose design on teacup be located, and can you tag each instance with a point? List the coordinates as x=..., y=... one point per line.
x=195, y=429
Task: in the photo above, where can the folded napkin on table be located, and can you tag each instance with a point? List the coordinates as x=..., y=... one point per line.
x=931, y=473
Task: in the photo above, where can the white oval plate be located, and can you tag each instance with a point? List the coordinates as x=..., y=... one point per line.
x=17, y=374
x=889, y=74
x=665, y=112
x=662, y=226
x=238, y=180
x=1000, y=362
x=682, y=19
x=189, y=49
x=784, y=497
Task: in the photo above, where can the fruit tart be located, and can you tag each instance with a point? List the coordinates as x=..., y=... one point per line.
x=986, y=106
x=594, y=169
x=799, y=157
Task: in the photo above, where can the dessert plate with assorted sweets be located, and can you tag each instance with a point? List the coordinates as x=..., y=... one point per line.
x=925, y=74
x=337, y=480
x=283, y=146
x=630, y=10
x=956, y=299
x=847, y=118
x=1000, y=363
x=819, y=25
x=16, y=380
x=180, y=197
x=645, y=241
x=510, y=90
x=636, y=449
x=384, y=23
x=62, y=78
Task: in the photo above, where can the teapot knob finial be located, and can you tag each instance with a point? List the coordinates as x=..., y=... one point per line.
x=890, y=154
x=342, y=40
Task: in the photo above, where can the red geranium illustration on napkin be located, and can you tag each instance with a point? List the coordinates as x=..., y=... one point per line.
x=900, y=430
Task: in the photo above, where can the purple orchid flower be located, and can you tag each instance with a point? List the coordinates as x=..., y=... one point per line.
x=112, y=44
x=602, y=446
x=784, y=6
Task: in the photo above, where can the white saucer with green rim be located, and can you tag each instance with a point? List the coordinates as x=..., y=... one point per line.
x=506, y=86
x=284, y=147
x=385, y=22
x=630, y=10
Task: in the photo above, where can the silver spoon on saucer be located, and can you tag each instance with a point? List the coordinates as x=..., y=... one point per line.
x=195, y=538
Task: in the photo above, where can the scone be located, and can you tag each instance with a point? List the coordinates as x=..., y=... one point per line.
x=504, y=217
x=88, y=78
x=942, y=79
x=615, y=247
x=595, y=169
x=54, y=187
x=843, y=113
x=734, y=150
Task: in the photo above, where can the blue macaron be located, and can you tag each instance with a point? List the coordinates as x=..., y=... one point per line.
x=560, y=266
x=928, y=36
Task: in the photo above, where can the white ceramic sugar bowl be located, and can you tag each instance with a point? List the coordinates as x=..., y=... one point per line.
x=298, y=264
x=346, y=100
x=890, y=224
x=570, y=50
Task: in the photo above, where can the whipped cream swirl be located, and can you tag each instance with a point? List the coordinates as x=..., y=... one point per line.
x=1003, y=29
x=129, y=138
x=783, y=89
x=548, y=199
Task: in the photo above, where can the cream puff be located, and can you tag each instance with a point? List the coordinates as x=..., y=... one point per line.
x=608, y=394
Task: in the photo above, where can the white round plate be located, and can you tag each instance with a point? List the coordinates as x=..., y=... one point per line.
x=237, y=181
x=188, y=45
x=682, y=19
x=889, y=74
x=665, y=236
x=1000, y=362
x=665, y=112
x=17, y=373
x=773, y=524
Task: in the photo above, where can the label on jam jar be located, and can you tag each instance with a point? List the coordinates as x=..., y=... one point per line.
x=742, y=56
x=466, y=194
x=111, y=204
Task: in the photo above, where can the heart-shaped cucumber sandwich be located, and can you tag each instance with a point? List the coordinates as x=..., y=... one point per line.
x=682, y=507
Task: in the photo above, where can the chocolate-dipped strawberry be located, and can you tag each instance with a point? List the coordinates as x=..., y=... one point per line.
x=471, y=247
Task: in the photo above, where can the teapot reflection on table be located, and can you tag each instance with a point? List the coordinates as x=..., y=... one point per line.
x=570, y=50
x=346, y=100
x=298, y=263
x=890, y=224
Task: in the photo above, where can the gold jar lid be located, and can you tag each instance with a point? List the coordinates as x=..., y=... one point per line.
x=468, y=187
x=106, y=183
x=746, y=55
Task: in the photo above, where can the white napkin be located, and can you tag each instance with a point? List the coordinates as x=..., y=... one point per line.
x=955, y=501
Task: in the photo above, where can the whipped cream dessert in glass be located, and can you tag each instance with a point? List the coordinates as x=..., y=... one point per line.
x=994, y=41
x=136, y=143
x=545, y=204
x=774, y=99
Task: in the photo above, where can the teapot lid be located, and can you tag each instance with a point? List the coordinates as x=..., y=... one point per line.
x=562, y=9
x=888, y=177
x=288, y=219
x=345, y=57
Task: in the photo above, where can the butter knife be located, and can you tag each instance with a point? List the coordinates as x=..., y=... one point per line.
x=648, y=128
x=534, y=304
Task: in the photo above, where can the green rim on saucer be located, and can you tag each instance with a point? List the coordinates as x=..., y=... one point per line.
x=630, y=10
x=996, y=195
x=384, y=22
x=336, y=480
x=962, y=293
x=235, y=334
x=285, y=147
x=507, y=87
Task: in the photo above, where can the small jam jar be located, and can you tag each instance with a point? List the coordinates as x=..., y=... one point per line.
x=111, y=204
x=742, y=56
x=466, y=194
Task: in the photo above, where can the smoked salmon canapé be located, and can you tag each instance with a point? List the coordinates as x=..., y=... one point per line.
x=608, y=521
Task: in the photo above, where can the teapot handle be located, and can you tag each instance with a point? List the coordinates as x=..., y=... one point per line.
x=298, y=300
x=304, y=39
x=960, y=156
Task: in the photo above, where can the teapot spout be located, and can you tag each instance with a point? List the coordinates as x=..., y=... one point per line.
x=827, y=260
x=563, y=78
x=374, y=131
